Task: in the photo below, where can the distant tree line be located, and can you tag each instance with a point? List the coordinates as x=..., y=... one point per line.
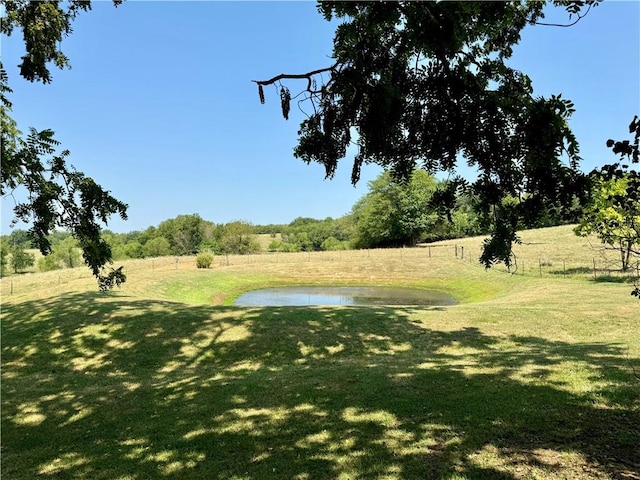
x=399, y=212
x=394, y=212
x=184, y=235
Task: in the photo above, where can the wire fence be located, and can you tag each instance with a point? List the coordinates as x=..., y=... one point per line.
x=599, y=266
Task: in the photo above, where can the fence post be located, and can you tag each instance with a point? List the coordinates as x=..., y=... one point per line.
x=540, y=267
x=456, y=248
x=429, y=251
x=564, y=269
x=462, y=252
x=595, y=275
x=11, y=283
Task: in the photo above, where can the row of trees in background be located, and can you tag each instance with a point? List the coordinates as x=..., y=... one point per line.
x=16, y=257
x=184, y=235
x=394, y=212
x=399, y=212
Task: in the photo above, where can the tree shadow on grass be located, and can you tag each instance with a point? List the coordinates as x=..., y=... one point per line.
x=97, y=386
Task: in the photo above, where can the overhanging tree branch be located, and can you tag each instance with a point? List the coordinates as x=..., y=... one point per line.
x=428, y=84
x=285, y=94
x=572, y=9
x=58, y=196
x=296, y=76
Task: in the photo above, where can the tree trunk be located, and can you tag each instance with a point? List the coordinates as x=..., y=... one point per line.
x=625, y=254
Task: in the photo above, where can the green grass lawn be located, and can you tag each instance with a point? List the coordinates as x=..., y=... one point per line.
x=526, y=378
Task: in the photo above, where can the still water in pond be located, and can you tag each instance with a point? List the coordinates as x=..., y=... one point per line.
x=304, y=296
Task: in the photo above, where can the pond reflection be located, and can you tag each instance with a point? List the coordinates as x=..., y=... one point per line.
x=306, y=296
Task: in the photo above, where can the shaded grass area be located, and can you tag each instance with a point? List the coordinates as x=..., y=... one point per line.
x=117, y=387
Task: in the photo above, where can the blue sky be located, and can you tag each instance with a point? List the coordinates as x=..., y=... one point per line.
x=159, y=107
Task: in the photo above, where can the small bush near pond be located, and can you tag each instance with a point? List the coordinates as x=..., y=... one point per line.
x=204, y=260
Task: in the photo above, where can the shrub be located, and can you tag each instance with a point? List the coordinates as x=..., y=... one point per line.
x=204, y=260
x=48, y=263
x=333, y=244
x=276, y=246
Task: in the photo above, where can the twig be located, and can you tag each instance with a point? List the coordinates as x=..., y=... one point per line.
x=580, y=17
x=562, y=25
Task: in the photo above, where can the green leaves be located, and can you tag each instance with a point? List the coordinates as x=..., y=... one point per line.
x=184, y=233
x=112, y=278
x=613, y=213
x=237, y=238
x=396, y=211
x=614, y=216
x=43, y=24
x=59, y=196
x=499, y=246
x=625, y=148
x=20, y=258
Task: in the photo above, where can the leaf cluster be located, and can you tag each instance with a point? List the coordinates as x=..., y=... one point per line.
x=58, y=196
x=613, y=212
x=44, y=24
x=310, y=234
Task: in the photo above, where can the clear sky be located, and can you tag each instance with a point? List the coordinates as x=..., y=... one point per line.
x=159, y=107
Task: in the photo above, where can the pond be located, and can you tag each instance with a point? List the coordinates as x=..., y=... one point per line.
x=307, y=296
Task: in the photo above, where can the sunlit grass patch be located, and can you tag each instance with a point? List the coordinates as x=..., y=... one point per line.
x=67, y=461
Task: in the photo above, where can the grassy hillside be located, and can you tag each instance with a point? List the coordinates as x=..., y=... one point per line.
x=532, y=375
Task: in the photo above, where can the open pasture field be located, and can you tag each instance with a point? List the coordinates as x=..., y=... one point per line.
x=532, y=375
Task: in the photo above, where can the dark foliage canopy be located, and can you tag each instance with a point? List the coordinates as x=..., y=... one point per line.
x=427, y=84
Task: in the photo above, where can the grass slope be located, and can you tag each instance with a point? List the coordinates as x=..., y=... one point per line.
x=528, y=377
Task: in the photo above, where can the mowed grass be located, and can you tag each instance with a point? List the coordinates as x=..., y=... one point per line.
x=526, y=378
